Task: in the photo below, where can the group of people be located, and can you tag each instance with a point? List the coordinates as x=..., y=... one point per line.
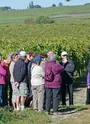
x=39, y=78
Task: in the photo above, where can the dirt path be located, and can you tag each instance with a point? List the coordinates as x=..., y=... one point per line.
x=80, y=96
x=71, y=15
x=79, y=100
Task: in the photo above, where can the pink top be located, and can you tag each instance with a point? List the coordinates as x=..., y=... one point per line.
x=2, y=75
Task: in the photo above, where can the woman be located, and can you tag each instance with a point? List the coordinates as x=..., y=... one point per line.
x=14, y=58
x=7, y=100
x=37, y=82
x=2, y=82
x=53, y=82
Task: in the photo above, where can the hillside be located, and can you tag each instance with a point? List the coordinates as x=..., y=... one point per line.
x=18, y=16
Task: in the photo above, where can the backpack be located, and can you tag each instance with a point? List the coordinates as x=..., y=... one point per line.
x=49, y=76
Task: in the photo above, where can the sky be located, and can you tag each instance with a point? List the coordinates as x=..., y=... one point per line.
x=22, y=4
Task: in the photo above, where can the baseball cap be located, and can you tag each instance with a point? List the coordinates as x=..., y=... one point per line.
x=37, y=59
x=23, y=53
x=18, y=52
x=64, y=53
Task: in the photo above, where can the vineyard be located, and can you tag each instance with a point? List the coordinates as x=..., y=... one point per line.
x=74, y=38
x=70, y=32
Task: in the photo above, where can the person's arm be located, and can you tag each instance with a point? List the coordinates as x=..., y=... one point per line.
x=57, y=68
x=88, y=80
x=70, y=66
x=40, y=71
x=11, y=67
x=2, y=71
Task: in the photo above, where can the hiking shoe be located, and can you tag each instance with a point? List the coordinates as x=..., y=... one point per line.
x=40, y=111
x=47, y=113
x=22, y=108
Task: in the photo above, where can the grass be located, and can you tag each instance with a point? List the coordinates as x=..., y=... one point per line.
x=29, y=116
x=80, y=118
x=18, y=16
x=69, y=114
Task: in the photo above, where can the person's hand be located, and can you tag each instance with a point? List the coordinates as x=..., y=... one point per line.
x=88, y=87
x=17, y=84
x=65, y=61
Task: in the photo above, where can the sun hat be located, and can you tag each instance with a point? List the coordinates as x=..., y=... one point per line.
x=64, y=53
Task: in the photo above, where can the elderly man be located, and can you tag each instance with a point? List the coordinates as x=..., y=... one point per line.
x=20, y=78
x=67, y=78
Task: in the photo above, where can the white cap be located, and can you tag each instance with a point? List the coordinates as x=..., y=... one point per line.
x=64, y=53
x=23, y=53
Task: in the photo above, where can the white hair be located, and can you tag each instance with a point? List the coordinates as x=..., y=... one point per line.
x=52, y=57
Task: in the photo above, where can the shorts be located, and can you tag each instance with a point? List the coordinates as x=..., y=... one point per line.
x=22, y=90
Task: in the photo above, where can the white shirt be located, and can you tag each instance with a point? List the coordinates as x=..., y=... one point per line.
x=37, y=75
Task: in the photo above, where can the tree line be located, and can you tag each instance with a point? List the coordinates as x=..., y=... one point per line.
x=31, y=5
x=5, y=8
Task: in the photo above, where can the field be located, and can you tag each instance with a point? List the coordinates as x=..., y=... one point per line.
x=18, y=16
x=70, y=32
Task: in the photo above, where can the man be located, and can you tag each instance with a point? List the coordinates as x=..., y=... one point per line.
x=50, y=52
x=29, y=99
x=67, y=78
x=20, y=77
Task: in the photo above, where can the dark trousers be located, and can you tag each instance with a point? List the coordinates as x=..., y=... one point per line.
x=1, y=94
x=8, y=94
x=52, y=97
x=88, y=96
x=44, y=98
x=63, y=93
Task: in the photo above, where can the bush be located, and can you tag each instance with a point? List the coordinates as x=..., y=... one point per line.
x=44, y=20
x=29, y=21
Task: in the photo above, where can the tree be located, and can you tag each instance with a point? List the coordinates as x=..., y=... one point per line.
x=31, y=5
x=67, y=0
x=60, y=4
x=5, y=8
x=44, y=20
x=87, y=4
x=53, y=5
x=37, y=6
